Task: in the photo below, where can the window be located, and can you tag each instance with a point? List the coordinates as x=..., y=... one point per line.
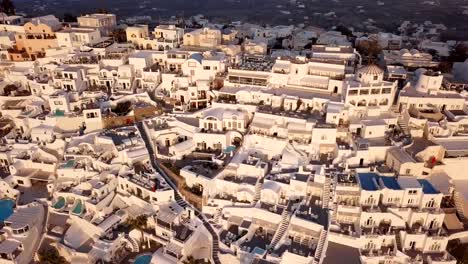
x=206, y=67
x=352, y=92
x=364, y=91
x=375, y=91
x=20, y=181
x=376, y=77
x=408, y=171
x=386, y=90
x=430, y=203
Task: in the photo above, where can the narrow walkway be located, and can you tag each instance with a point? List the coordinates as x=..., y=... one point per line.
x=178, y=197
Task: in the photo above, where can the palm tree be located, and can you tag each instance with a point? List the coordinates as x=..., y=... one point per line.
x=190, y=260
x=140, y=222
x=51, y=256
x=7, y=7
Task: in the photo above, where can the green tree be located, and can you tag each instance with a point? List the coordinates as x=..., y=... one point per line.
x=119, y=35
x=459, y=53
x=51, y=256
x=369, y=49
x=101, y=11
x=7, y=7
x=139, y=222
x=344, y=30
x=67, y=17
x=190, y=260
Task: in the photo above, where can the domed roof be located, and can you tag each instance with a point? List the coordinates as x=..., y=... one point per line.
x=405, y=53
x=371, y=69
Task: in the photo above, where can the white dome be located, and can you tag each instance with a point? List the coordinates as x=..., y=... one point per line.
x=370, y=74
x=371, y=69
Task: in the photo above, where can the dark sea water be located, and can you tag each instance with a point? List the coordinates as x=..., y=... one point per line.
x=384, y=14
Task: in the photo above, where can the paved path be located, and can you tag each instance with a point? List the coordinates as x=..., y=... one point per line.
x=178, y=197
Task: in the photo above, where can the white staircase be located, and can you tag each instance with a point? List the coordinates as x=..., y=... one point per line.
x=334, y=182
x=398, y=240
x=258, y=189
x=459, y=206
x=326, y=193
x=320, y=246
x=217, y=215
x=281, y=230
x=134, y=243
x=403, y=126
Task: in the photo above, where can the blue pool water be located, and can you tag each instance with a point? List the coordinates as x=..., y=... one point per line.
x=6, y=209
x=229, y=149
x=60, y=203
x=258, y=251
x=143, y=259
x=368, y=181
x=78, y=208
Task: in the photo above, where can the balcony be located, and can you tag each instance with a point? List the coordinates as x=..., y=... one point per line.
x=40, y=36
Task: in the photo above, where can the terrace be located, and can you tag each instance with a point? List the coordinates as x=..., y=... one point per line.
x=231, y=235
x=264, y=65
x=286, y=179
x=206, y=169
x=272, y=208
x=259, y=242
x=312, y=211
x=237, y=179
x=181, y=233
x=383, y=228
x=382, y=251
x=418, y=255
x=315, y=115
x=304, y=247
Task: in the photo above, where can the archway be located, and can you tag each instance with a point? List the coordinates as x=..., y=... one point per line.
x=236, y=141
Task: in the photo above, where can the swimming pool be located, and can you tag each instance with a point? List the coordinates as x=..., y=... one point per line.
x=143, y=259
x=60, y=203
x=6, y=209
x=229, y=149
x=78, y=208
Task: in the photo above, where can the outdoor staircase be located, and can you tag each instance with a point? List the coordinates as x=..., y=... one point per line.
x=282, y=228
x=398, y=240
x=394, y=109
x=326, y=193
x=135, y=246
x=217, y=215
x=258, y=189
x=320, y=246
x=459, y=206
x=334, y=183
x=404, y=126
x=185, y=221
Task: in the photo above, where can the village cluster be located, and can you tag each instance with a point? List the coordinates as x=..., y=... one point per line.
x=233, y=143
